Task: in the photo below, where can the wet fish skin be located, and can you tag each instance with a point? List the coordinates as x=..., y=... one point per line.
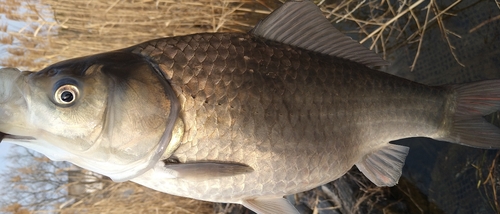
x=116, y=126
x=298, y=118
x=240, y=118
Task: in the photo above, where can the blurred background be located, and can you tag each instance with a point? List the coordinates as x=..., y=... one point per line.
x=430, y=41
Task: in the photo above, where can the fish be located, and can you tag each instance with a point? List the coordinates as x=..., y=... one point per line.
x=242, y=118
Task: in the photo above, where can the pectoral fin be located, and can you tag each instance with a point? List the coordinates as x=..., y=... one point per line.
x=384, y=167
x=207, y=170
x=269, y=206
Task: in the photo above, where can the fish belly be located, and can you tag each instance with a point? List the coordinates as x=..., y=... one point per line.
x=298, y=118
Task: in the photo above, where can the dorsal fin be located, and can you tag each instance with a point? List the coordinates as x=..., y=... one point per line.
x=301, y=24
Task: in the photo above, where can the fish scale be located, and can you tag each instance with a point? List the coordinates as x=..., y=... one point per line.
x=241, y=118
x=332, y=113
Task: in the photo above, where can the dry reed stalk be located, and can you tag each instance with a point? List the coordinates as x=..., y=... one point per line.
x=384, y=23
x=492, y=19
x=492, y=180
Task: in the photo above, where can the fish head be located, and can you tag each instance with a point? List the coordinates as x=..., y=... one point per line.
x=112, y=113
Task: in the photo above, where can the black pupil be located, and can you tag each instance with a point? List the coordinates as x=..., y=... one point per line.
x=67, y=96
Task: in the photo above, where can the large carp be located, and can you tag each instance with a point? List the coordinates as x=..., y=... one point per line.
x=239, y=118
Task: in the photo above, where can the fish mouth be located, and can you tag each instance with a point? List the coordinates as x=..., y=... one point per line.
x=14, y=137
x=12, y=106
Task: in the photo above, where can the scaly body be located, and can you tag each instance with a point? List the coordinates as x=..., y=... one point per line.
x=298, y=118
x=241, y=118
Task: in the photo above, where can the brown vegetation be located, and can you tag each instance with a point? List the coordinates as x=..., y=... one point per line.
x=129, y=197
x=57, y=30
x=54, y=30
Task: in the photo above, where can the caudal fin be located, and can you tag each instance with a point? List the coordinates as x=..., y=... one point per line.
x=473, y=101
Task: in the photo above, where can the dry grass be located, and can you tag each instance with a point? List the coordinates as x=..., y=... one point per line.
x=389, y=24
x=126, y=198
x=129, y=197
x=492, y=182
x=58, y=30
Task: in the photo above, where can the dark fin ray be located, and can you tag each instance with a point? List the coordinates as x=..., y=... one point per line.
x=269, y=205
x=208, y=170
x=384, y=167
x=473, y=101
x=301, y=24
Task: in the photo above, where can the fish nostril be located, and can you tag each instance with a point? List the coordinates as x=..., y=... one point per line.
x=51, y=72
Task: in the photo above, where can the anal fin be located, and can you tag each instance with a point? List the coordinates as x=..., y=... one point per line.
x=384, y=167
x=269, y=206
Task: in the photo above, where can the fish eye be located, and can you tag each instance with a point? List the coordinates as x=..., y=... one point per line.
x=66, y=94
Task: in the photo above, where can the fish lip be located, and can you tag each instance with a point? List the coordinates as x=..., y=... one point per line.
x=6, y=136
x=12, y=97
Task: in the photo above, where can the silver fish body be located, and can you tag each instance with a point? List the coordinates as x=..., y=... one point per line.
x=298, y=118
x=239, y=118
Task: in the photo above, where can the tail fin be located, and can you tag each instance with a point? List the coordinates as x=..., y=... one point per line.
x=473, y=101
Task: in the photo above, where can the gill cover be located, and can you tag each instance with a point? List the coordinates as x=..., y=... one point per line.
x=115, y=113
